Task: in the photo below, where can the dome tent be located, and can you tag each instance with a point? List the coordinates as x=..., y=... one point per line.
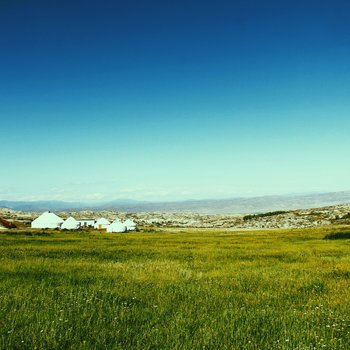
x=130, y=225
x=70, y=224
x=47, y=220
x=116, y=226
x=101, y=223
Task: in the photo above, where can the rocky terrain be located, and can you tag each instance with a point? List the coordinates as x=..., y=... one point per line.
x=337, y=214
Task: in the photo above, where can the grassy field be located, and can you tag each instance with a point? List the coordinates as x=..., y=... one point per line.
x=194, y=289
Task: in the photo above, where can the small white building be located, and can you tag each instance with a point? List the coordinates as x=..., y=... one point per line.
x=116, y=226
x=47, y=220
x=130, y=225
x=101, y=224
x=70, y=224
x=86, y=222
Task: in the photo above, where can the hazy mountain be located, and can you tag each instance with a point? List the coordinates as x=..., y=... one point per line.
x=235, y=205
x=58, y=205
x=36, y=205
x=239, y=205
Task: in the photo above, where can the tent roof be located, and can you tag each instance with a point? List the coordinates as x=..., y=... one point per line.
x=48, y=217
x=129, y=222
x=71, y=220
x=102, y=221
x=70, y=223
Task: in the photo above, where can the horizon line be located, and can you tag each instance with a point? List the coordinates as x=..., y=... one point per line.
x=106, y=201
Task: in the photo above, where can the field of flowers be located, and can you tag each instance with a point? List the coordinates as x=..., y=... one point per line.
x=193, y=289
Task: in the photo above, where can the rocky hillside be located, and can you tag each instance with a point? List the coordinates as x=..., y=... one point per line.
x=337, y=214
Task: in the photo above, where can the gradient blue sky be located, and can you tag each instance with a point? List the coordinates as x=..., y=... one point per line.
x=163, y=100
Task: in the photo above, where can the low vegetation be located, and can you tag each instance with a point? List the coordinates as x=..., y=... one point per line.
x=262, y=215
x=338, y=235
x=190, y=289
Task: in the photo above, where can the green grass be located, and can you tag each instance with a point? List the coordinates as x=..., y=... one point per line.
x=194, y=289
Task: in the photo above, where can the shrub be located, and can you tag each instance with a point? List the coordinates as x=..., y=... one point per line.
x=338, y=235
x=271, y=213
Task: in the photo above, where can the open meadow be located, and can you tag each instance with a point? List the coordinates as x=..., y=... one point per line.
x=190, y=289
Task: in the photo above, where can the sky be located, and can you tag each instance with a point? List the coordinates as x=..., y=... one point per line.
x=173, y=100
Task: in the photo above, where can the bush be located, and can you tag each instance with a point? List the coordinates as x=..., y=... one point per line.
x=271, y=213
x=338, y=235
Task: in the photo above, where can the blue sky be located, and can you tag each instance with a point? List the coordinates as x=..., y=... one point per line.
x=164, y=100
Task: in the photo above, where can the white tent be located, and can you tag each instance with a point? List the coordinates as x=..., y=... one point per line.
x=130, y=225
x=116, y=226
x=47, y=220
x=70, y=224
x=101, y=223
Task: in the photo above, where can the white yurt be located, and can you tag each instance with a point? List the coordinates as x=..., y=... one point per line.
x=116, y=226
x=70, y=224
x=101, y=224
x=130, y=225
x=47, y=220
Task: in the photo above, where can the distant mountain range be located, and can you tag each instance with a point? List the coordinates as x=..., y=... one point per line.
x=242, y=205
x=61, y=205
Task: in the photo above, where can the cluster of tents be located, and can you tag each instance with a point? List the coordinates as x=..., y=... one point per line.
x=51, y=220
